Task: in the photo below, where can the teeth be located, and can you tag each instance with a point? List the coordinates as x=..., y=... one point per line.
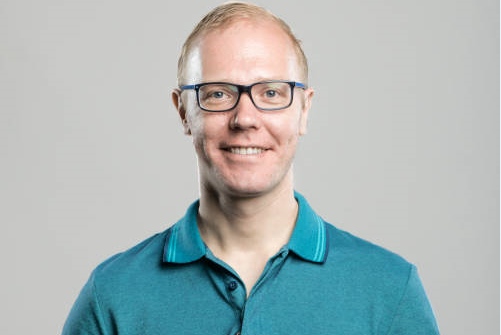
x=246, y=151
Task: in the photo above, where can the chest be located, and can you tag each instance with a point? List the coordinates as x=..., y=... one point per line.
x=288, y=297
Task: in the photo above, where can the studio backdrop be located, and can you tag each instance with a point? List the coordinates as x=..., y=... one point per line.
x=402, y=146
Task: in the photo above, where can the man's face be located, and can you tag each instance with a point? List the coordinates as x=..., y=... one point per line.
x=244, y=53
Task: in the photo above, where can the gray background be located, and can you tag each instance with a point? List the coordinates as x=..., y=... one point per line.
x=402, y=149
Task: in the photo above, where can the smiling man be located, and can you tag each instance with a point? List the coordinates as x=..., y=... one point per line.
x=250, y=256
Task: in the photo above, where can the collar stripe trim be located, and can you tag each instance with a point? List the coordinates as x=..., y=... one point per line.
x=319, y=251
x=171, y=254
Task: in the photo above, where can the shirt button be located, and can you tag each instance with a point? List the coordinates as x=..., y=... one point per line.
x=232, y=285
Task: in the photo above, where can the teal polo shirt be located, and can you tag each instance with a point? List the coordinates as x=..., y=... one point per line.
x=323, y=281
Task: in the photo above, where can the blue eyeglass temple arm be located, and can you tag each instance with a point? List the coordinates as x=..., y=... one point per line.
x=192, y=87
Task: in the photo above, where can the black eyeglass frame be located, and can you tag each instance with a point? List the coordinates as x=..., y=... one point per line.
x=242, y=89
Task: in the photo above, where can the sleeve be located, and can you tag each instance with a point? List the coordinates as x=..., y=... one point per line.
x=414, y=315
x=85, y=317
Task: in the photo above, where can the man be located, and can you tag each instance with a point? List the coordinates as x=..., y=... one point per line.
x=250, y=256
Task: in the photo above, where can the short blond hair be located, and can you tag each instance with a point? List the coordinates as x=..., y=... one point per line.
x=227, y=13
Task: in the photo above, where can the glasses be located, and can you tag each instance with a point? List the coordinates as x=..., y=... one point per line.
x=265, y=95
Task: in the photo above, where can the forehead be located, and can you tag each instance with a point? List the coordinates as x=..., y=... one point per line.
x=243, y=52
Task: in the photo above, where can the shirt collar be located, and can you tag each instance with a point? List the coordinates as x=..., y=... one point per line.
x=184, y=243
x=308, y=240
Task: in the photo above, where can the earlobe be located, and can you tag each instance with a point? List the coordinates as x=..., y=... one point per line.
x=178, y=103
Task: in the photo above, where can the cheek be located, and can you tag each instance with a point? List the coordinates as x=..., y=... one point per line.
x=206, y=131
x=285, y=131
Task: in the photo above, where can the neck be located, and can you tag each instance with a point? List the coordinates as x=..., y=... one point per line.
x=260, y=224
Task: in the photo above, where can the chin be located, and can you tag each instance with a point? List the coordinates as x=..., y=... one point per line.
x=250, y=186
x=246, y=189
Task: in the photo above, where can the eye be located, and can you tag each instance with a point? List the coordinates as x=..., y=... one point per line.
x=270, y=93
x=217, y=95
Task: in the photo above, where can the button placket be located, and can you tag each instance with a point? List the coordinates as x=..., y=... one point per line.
x=271, y=268
x=236, y=293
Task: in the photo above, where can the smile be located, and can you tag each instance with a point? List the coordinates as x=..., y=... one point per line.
x=245, y=150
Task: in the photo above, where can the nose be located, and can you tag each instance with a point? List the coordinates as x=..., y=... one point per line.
x=245, y=114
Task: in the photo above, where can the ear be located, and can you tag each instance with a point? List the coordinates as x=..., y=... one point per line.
x=178, y=103
x=303, y=121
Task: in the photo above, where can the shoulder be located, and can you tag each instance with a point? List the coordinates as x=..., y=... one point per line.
x=365, y=259
x=368, y=273
x=379, y=279
x=133, y=261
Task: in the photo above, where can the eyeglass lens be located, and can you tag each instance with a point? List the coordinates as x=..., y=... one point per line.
x=218, y=97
